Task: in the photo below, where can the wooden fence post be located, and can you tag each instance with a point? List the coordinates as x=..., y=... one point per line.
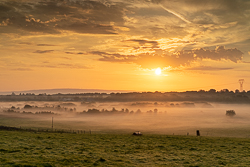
x=198, y=133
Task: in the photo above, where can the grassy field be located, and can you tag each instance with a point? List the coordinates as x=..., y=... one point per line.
x=54, y=149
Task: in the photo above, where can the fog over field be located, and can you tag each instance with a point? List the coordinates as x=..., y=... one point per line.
x=175, y=118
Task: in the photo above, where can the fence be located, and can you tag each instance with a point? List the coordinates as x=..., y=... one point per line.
x=44, y=130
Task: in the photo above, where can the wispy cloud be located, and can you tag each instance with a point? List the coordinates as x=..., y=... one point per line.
x=43, y=51
x=46, y=45
x=209, y=68
x=66, y=65
x=22, y=69
x=176, y=14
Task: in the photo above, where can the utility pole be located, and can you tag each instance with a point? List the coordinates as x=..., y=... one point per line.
x=241, y=81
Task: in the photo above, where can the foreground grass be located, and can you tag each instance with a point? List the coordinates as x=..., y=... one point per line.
x=52, y=149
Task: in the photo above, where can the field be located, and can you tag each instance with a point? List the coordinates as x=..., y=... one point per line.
x=63, y=149
x=224, y=140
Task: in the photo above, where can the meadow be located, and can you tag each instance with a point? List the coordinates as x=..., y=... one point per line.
x=63, y=149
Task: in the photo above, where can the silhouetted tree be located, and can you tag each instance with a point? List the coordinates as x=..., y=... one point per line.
x=230, y=113
x=138, y=111
x=27, y=106
x=212, y=91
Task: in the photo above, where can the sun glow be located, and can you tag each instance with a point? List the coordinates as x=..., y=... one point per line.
x=158, y=71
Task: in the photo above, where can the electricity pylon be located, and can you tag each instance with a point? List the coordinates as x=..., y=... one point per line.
x=241, y=81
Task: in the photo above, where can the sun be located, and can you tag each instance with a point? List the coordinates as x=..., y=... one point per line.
x=158, y=71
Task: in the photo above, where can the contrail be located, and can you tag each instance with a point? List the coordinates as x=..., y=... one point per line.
x=177, y=15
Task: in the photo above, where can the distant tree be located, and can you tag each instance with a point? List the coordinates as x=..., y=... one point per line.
x=126, y=110
x=212, y=91
x=150, y=111
x=237, y=91
x=155, y=110
x=201, y=91
x=230, y=113
x=138, y=111
x=114, y=110
x=27, y=106
x=93, y=111
x=224, y=91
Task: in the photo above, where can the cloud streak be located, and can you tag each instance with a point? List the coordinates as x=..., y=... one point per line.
x=43, y=51
x=176, y=14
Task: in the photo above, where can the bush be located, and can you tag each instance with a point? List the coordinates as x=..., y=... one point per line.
x=230, y=113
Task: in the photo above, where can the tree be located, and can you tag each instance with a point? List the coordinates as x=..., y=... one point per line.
x=138, y=111
x=27, y=106
x=212, y=91
x=230, y=113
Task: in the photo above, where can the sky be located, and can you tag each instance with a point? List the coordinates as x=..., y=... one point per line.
x=118, y=44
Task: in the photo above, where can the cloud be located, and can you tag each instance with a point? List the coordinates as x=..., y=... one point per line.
x=22, y=69
x=72, y=66
x=54, y=16
x=26, y=43
x=69, y=52
x=177, y=59
x=154, y=44
x=79, y=53
x=67, y=58
x=116, y=57
x=66, y=65
x=43, y=51
x=45, y=45
x=88, y=27
x=208, y=68
x=186, y=57
x=15, y=17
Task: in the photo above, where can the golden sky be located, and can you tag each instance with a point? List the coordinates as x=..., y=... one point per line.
x=118, y=44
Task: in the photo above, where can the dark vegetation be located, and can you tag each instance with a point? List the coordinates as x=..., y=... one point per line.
x=38, y=110
x=52, y=149
x=230, y=113
x=212, y=95
x=114, y=111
